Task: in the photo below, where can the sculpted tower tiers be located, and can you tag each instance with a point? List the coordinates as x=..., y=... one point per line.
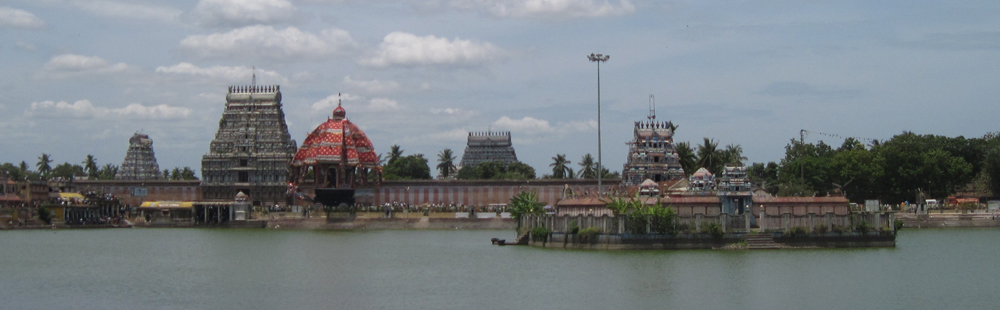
x=488, y=146
x=140, y=162
x=651, y=153
x=251, y=150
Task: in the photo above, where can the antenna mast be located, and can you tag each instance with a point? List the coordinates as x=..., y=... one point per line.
x=652, y=107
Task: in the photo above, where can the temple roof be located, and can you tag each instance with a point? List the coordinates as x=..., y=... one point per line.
x=337, y=141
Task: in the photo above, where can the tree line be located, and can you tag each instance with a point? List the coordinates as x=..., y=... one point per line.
x=904, y=168
x=88, y=167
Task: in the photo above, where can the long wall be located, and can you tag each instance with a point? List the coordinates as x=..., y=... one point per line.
x=478, y=193
x=131, y=192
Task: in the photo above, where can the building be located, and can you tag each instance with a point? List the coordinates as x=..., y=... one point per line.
x=337, y=154
x=140, y=161
x=734, y=190
x=651, y=153
x=251, y=150
x=488, y=146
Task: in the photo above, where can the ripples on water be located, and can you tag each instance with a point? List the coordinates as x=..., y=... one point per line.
x=267, y=269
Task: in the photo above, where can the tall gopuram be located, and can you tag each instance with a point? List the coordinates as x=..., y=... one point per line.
x=651, y=153
x=488, y=146
x=140, y=161
x=338, y=154
x=251, y=150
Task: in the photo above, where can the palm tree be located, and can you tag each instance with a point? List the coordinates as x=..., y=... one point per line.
x=587, y=167
x=394, y=153
x=560, y=168
x=90, y=164
x=43, y=165
x=734, y=155
x=686, y=157
x=710, y=157
x=446, y=163
x=23, y=166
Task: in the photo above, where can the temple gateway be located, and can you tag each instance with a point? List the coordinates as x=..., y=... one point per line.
x=251, y=150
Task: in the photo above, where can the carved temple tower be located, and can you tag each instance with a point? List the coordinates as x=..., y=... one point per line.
x=140, y=161
x=488, y=146
x=252, y=149
x=651, y=152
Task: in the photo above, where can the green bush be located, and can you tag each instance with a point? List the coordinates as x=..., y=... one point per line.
x=589, y=235
x=797, y=231
x=898, y=224
x=820, y=229
x=712, y=229
x=862, y=227
x=840, y=230
x=540, y=234
x=44, y=215
x=573, y=228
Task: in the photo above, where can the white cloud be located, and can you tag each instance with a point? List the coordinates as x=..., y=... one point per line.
x=243, y=12
x=383, y=104
x=548, y=8
x=25, y=45
x=224, y=73
x=330, y=102
x=454, y=112
x=374, y=105
x=265, y=41
x=373, y=86
x=67, y=65
x=457, y=134
x=405, y=49
x=128, y=10
x=532, y=130
x=17, y=18
x=85, y=109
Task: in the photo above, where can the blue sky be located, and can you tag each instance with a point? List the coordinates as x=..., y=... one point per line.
x=81, y=76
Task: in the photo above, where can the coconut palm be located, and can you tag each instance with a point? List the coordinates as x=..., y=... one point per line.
x=43, y=165
x=686, y=157
x=90, y=164
x=394, y=153
x=560, y=168
x=446, y=163
x=710, y=157
x=734, y=155
x=588, y=168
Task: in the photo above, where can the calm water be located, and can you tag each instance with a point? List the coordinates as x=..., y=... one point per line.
x=266, y=269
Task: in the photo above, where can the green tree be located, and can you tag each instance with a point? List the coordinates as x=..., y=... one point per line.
x=408, y=167
x=395, y=152
x=175, y=174
x=188, y=174
x=446, y=165
x=497, y=170
x=67, y=171
x=107, y=172
x=560, y=167
x=523, y=203
x=588, y=168
x=11, y=171
x=687, y=158
x=90, y=165
x=734, y=155
x=710, y=157
x=43, y=165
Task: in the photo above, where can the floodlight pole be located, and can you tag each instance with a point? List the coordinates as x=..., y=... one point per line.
x=598, y=58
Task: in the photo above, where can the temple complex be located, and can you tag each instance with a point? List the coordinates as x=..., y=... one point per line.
x=337, y=154
x=140, y=161
x=651, y=153
x=488, y=146
x=251, y=149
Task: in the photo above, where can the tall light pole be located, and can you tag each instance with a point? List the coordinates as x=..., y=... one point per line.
x=598, y=58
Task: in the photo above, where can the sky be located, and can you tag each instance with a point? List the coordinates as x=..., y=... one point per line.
x=81, y=76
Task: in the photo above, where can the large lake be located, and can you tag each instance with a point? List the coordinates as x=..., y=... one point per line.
x=274, y=269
